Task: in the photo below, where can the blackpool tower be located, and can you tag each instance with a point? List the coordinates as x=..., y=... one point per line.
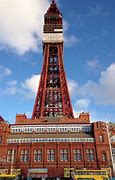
x=53, y=98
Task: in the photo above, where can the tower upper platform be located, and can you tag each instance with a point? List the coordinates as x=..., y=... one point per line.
x=53, y=25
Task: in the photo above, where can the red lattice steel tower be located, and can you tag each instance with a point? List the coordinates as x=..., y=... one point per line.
x=53, y=98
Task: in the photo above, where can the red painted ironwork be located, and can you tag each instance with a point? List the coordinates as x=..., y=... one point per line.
x=53, y=98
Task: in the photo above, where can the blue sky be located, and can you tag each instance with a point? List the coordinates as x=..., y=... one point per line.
x=89, y=55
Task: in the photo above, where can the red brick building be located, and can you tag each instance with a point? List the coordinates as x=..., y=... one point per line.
x=53, y=139
x=112, y=144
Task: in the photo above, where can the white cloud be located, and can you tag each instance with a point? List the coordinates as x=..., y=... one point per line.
x=71, y=40
x=82, y=104
x=103, y=91
x=93, y=65
x=106, y=86
x=65, y=25
x=95, y=10
x=32, y=83
x=21, y=23
x=12, y=83
x=72, y=86
x=10, y=90
x=4, y=71
x=76, y=114
x=28, y=114
x=26, y=89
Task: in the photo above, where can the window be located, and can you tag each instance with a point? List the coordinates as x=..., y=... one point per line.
x=90, y=154
x=104, y=157
x=113, y=139
x=77, y=155
x=64, y=154
x=113, y=154
x=37, y=155
x=24, y=156
x=101, y=139
x=51, y=155
x=11, y=156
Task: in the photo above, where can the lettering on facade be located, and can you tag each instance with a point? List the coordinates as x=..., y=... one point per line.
x=3, y=171
x=38, y=173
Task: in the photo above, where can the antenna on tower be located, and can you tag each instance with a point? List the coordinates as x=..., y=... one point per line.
x=53, y=1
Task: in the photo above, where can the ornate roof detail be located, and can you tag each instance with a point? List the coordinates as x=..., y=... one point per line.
x=53, y=9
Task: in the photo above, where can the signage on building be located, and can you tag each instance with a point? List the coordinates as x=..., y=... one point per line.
x=16, y=171
x=108, y=170
x=3, y=171
x=38, y=175
x=67, y=172
x=38, y=172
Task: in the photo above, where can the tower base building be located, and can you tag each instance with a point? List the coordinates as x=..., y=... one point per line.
x=44, y=147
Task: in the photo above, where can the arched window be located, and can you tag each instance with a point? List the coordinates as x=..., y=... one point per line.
x=37, y=155
x=101, y=139
x=51, y=155
x=104, y=157
x=77, y=154
x=90, y=154
x=64, y=154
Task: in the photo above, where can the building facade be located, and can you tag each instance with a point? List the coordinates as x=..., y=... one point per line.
x=53, y=139
x=112, y=144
